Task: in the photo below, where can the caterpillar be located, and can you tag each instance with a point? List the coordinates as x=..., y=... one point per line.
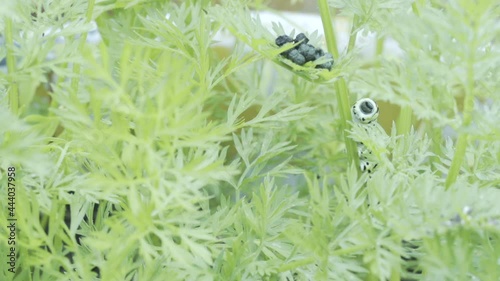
x=365, y=112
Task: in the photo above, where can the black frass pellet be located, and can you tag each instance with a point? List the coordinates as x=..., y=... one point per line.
x=326, y=65
x=308, y=51
x=319, y=53
x=295, y=56
x=301, y=37
x=303, y=52
x=283, y=39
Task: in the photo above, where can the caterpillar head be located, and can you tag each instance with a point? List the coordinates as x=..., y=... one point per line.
x=365, y=111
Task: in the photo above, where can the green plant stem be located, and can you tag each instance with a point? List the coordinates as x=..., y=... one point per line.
x=341, y=87
x=459, y=156
x=81, y=44
x=404, y=120
x=415, y=9
x=11, y=68
x=344, y=104
x=295, y=264
x=326, y=19
x=351, y=250
x=462, y=139
x=379, y=47
x=353, y=33
x=457, y=160
x=437, y=139
x=396, y=271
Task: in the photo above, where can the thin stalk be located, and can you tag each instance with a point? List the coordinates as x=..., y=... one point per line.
x=295, y=264
x=326, y=19
x=437, y=136
x=459, y=156
x=457, y=160
x=404, y=122
x=352, y=35
x=81, y=44
x=11, y=68
x=345, y=115
x=351, y=250
x=379, y=47
x=415, y=9
x=342, y=91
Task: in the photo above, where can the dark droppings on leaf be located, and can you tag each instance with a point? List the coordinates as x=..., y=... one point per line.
x=327, y=65
x=303, y=52
x=308, y=51
x=301, y=37
x=283, y=39
x=319, y=52
x=296, y=57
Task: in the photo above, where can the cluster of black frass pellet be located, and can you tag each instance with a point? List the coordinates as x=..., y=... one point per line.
x=303, y=52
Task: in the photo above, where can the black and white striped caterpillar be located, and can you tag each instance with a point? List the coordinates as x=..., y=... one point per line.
x=365, y=112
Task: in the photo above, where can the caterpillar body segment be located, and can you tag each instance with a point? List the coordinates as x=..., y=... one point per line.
x=365, y=112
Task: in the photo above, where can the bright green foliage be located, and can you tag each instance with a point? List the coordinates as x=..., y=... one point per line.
x=154, y=156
